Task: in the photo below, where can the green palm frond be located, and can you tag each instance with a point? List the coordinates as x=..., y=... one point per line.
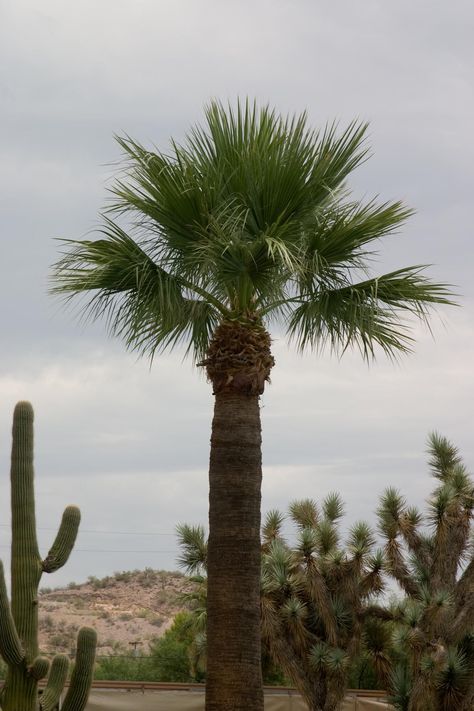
x=364, y=314
x=193, y=545
x=249, y=217
x=340, y=235
x=147, y=306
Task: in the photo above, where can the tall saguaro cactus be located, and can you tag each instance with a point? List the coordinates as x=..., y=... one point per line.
x=19, y=618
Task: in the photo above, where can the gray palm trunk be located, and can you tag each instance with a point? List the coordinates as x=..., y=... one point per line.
x=233, y=600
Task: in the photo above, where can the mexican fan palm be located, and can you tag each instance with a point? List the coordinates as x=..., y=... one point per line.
x=431, y=558
x=245, y=223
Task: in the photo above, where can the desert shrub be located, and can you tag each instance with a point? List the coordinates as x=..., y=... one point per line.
x=125, y=668
x=170, y=653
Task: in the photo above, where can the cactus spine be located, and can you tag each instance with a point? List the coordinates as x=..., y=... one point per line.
x=19, y=618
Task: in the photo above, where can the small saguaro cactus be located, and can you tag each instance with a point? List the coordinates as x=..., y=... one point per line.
x=19, y=618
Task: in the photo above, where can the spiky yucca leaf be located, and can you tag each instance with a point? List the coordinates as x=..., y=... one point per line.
x=391, y=508
x=304, y=513
x=307, y=543
x=271, y=528
x=443, y=456
x=452, y=679
x=319, y=656
x=333, y=507
x=361, y=539
x=400, y=684
x=328, y=537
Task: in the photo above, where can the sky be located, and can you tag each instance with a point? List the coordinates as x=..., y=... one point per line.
x=129, y=443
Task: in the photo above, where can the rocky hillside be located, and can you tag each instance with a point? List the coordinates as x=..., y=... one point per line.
x=125, y=608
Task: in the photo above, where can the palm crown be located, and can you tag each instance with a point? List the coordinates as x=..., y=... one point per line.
x=247, y=221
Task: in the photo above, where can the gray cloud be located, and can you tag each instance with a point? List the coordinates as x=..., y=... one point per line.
x=130, y=444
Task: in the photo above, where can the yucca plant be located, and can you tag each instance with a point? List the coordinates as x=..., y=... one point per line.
x=246, y=223
x=318, y=595
x=431, y=558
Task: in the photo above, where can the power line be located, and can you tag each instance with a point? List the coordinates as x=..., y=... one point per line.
x=91, y=530
x=103, y=550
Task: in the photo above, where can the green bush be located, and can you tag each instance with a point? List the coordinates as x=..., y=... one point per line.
x=170, y=653
x=125, y=668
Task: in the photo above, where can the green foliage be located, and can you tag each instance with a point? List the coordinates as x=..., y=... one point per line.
x=171, y=653
x=430, y=557
x=249, y=219
x=313, y=594
x=317, y=601
x=125, y=668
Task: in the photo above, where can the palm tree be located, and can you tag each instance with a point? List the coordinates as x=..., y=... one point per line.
x=247, y=222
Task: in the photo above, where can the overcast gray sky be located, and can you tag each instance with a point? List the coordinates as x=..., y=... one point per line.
x=129, y=444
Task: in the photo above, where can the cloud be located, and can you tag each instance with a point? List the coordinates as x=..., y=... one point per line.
x=130, y=444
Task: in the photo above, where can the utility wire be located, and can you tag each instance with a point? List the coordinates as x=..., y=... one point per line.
x=103, y=550
x=91, y=530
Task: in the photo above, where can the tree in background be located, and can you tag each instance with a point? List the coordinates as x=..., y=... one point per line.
x=248, y=222
x=170, y=654
x=431, y=558
x=316, y=594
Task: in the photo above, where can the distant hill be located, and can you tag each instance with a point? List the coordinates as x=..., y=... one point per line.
x=125, y=608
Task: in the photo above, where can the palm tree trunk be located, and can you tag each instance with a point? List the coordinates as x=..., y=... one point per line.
x=234, y=678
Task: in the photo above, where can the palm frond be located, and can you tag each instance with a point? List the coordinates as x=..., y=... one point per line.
x=147, y=306
x=248, y=217
x=193, y=545
x=365, y=314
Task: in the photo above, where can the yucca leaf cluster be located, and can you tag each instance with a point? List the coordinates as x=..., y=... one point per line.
x=316, y=594
x=430, y=557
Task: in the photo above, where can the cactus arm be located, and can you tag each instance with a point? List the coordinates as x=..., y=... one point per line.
x=64, y=541
x=39, y=669
x=56, y=680
x=83, y=672
x=10, y=645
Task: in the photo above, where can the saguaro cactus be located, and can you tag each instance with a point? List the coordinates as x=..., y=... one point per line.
x=19, y=618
